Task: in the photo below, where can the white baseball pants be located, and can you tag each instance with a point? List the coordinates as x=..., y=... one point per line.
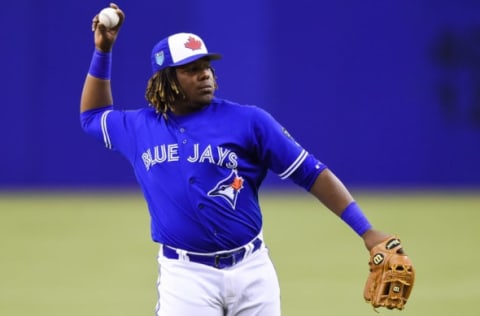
x=249, y=288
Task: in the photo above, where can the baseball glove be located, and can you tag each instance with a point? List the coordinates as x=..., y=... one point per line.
x=391, y=275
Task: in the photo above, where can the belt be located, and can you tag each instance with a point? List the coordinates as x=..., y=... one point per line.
x=219, y=260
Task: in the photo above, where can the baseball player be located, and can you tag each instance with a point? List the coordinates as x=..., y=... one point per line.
x=200, y=161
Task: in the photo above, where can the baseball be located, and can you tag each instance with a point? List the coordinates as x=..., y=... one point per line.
x=108, y=17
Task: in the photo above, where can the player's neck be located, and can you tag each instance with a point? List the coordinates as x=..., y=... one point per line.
x=185, y=108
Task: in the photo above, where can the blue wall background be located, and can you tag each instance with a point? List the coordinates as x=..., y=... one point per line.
x=387, y=93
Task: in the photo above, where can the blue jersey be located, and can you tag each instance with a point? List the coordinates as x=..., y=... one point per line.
x=200, y=173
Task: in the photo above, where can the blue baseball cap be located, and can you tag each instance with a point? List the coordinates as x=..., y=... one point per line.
x=179, y=49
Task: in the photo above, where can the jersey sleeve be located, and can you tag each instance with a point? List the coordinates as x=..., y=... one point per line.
x=282, y=154
x=111, y=127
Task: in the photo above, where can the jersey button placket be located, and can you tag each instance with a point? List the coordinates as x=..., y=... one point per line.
x=182, y=131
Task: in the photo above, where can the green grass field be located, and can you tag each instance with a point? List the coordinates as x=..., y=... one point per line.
x=87, y=254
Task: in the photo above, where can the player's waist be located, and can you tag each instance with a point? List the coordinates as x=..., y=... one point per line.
x=219, y=259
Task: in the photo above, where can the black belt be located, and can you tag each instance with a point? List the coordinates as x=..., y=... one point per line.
x=220, y=261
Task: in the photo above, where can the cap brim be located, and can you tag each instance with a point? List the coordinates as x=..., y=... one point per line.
x=211, y=56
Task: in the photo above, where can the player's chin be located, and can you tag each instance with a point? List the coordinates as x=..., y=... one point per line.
x=205, y=97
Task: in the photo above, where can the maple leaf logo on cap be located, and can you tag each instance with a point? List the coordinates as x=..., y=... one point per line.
x=193, y=43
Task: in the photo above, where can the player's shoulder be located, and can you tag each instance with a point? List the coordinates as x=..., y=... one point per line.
x=135, y=116
x=141, y=113
x=236, y=108
x=231, y=104
x=143, y=117
x=148, y=112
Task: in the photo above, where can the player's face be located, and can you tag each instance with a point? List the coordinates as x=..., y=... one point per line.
x=197, y=82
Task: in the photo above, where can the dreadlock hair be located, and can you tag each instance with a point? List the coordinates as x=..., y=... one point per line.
x=163, y=90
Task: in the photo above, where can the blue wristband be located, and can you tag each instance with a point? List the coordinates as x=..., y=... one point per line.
x=101, y=65
x=354, y=217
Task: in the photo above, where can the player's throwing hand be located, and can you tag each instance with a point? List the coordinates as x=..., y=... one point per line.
x=105, y=37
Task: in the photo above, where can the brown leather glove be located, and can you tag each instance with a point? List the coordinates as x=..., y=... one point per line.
x=391, y=277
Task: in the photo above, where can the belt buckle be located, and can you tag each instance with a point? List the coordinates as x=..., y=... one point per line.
x=225, y=256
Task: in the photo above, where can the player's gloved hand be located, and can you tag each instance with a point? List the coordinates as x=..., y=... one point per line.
x=391, y=277
x=104, y=38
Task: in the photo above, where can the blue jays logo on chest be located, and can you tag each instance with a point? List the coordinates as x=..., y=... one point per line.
x=228, y=188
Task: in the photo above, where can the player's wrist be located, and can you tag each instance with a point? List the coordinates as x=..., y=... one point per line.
x=354, y=217
x=101, y=65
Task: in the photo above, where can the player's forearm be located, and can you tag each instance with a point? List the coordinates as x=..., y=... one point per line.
x=96, y=93
x=334, y=195
x=329, y=190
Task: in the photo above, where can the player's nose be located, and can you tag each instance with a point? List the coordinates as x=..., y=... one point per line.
x=204, y=75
